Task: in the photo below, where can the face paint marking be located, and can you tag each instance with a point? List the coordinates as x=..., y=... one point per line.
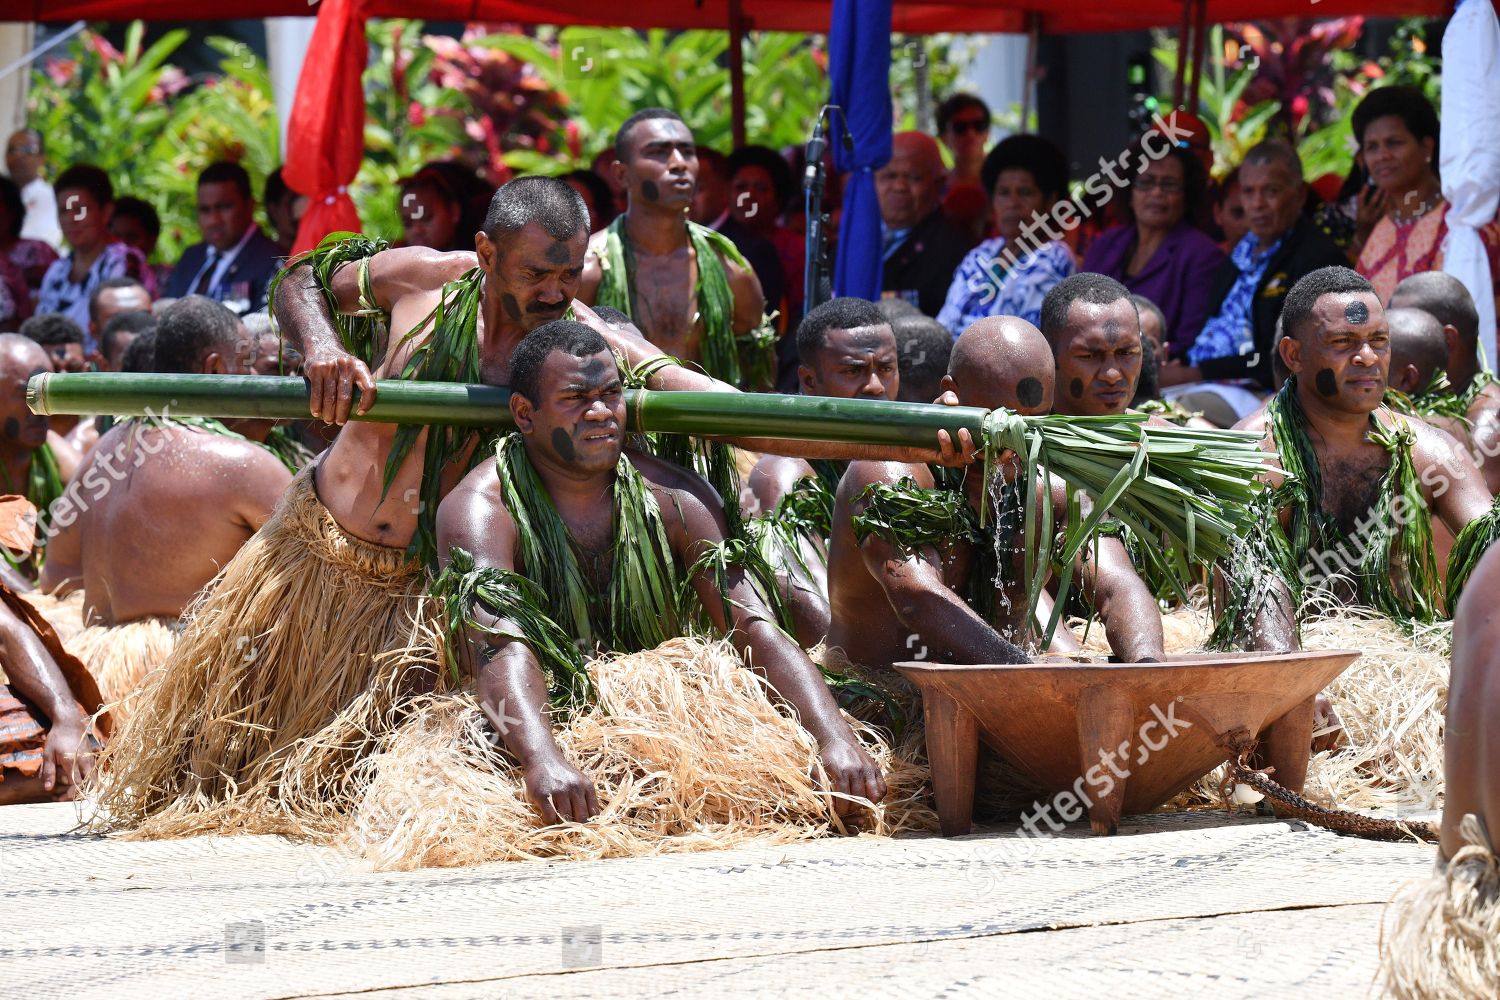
x=562, y=443
x=12, y=428
x=1076, y=388
x=512, y=307
x=1029, y=391
x=592, y=369
x=558, y=253
x=1325, y=383
x=1112, y=330
x=1357, y=313
x=650, y=191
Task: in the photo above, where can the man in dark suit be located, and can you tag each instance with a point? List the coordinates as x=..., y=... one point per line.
x=921, y=248
x=1282, y=246
x=236, y=261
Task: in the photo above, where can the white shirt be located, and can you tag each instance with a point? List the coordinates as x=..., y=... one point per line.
x=41, y=213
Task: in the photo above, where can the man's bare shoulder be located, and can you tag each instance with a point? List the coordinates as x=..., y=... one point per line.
x=420, y=269
x=780, y=468
x=864, y=473
x=1486, y=402
x=674, y=483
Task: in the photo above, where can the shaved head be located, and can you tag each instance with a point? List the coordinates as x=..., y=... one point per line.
x=1002, y=361
x=22, y=355
x=1418, y=344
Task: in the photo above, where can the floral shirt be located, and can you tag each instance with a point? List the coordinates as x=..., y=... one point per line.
x=61, y=294
x=983, y=286
x=1230, y=331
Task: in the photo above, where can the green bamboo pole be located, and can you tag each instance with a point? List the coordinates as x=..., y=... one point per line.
x=805, y=418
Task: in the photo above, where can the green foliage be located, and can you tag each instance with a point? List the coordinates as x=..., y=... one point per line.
x=139, y=118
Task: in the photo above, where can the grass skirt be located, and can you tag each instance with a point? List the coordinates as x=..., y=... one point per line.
x=121, y=656
x=1440, y=938
x=64, y=614
x=294, y=658
x=685, y=749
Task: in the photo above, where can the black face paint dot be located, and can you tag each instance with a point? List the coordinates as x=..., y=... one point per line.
x=1076, y=388
x=1325, y=382
x=1029, y=391
x=562, y=443
x=650, y=191
x=1112, y=329
x=12, y=428
x=512, y=307
x=559, y=253
x=593, y=368
x=1357, y=313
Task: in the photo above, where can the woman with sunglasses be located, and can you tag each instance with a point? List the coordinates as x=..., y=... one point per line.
x=1161, y=251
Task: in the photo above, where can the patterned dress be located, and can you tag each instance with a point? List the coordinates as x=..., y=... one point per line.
x=984, y=286
x=1394, y=252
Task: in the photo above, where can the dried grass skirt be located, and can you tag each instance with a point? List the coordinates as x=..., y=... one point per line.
x=293, y=661
x=684, y=747
x=122, y=656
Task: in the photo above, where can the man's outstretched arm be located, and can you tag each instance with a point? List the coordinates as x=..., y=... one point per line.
x=773, y=654
x=306, y=322
x=1131, y=617
x=510, y=684
x=36, y=675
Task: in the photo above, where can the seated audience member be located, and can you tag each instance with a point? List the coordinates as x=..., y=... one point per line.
x=963, y=124
x=1234, y=347
x=15, y=297
x=1397, y=130
x=1010, y=275
x=1229, y=210
x=236, y=261
x=432, y=212
x=921, y=248
x=136, y=224
x=86, y=204
x=28, y=256
x=924, y=346
x=712, y=207
x=1159, y=251
x=119, y=333
x=25, y=156
x=596, y=195
x=761, y=183
x=284, y=208
x=110, y=299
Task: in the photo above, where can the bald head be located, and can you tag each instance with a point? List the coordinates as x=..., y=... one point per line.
x=1445, y=298
x=909, y=186
x=1418, y=348
x=22, y=356
x=1002, y=361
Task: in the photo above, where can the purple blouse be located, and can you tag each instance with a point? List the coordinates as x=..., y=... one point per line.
x=1179, y=277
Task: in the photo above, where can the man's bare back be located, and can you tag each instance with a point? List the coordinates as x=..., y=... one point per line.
x=156, y=513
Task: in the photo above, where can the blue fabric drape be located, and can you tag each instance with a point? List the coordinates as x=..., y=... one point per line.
x=859, y=64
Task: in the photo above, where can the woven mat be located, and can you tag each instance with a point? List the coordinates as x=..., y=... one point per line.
x=1171, y=905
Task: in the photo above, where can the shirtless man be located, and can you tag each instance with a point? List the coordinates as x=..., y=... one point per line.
x=665, y=294
x=167, y=504
x=1418, y=351
x=1337, y=347
x=1446, y=299
x=341, y=521
x=34, y=462
x=847, y=351
x=998, y=361
x=569, y=410
x=1095, y=334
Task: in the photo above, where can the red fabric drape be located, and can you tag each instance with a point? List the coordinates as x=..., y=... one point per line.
x=326, y=135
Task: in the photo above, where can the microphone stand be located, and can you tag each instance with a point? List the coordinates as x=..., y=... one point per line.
x=817, y=279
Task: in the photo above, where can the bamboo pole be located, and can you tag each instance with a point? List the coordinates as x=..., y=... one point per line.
x=797, y=418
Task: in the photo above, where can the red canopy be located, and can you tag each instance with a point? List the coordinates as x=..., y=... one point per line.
x=765, y=15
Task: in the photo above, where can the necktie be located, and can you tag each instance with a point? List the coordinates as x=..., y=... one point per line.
x=205, y=276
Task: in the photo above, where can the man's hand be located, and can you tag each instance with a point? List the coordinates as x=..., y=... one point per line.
x=950, y=455
x=65, y=752
x=332, y=375
x=560, y=792
x=1177, y=373
x=851, y=772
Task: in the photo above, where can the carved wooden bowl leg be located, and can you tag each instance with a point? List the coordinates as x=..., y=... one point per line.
x=1287, y=746
x=1105, y=718
x=952, y=753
